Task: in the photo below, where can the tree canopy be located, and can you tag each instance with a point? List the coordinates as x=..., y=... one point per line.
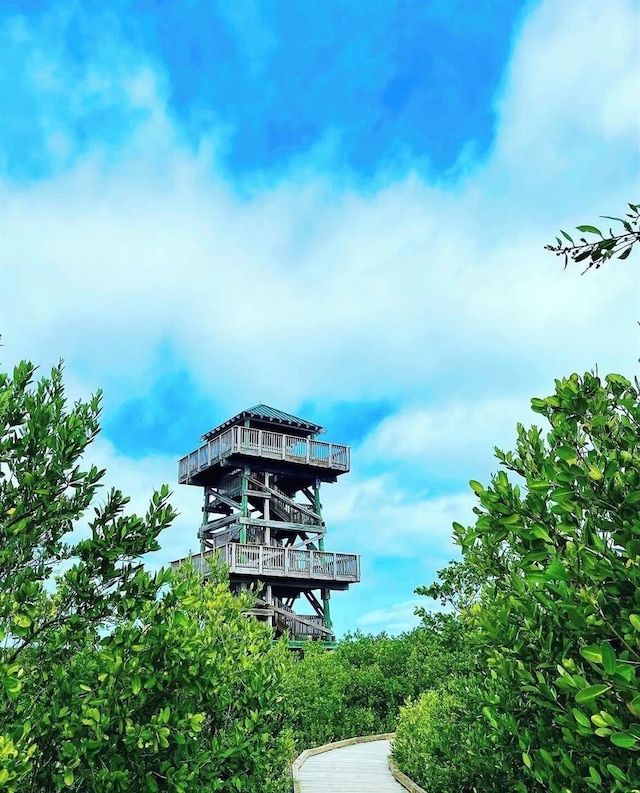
x=116, y=678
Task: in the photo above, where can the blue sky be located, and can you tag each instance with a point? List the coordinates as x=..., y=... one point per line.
x=336, y=208
x=373, y=88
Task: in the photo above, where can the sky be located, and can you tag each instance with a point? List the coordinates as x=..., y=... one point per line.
x=335, y=208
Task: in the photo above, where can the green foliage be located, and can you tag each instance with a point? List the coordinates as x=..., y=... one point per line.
x=116, y=679
x=605, y=246
x=441, y=742
x=358, y=688
x=557, y=544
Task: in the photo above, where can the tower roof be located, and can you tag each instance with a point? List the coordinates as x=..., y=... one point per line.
x=269, y=415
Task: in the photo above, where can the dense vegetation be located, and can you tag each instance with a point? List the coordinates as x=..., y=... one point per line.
x=114, y=678
x=359, y=688
x=554, y=557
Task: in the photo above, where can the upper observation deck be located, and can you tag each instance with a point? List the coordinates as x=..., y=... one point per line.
x=277, y=438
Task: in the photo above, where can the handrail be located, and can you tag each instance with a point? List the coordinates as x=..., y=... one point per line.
x=273, y=560
x=289, y=509
x=264, y=443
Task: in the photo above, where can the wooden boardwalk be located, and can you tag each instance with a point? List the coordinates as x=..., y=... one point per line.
x=359, y=768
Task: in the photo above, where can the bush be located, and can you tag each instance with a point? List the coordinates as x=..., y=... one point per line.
x=358, y=688
x=552, y=568
x=117, y=679
x=559, y=616
x=441, y=742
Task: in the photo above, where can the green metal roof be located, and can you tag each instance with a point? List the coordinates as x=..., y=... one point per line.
x=268, y=414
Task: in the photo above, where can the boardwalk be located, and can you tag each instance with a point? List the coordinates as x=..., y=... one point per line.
x=361, y=768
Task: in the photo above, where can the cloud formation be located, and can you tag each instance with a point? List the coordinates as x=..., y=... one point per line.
x=434, y=295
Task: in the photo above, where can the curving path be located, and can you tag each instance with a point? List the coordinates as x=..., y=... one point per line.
x=359, y=768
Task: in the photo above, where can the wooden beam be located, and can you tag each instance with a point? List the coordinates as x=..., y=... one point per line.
x=315, y=603
x=229, y=502
x=280, y=495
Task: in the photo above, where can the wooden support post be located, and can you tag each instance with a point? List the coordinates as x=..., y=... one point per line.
x=317, y=508
x=267, y=511
x=269, y=599
x=326, y=594
x=244, y=505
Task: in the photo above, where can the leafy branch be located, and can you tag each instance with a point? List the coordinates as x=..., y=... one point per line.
x=597, y=251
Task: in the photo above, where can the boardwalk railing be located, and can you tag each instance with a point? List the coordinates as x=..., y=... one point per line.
x=263, y=443
x=280, y=562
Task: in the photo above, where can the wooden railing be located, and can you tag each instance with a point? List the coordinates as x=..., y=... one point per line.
x=285, y=508
x=300, y=625
x=268, y=560
x=263, y=443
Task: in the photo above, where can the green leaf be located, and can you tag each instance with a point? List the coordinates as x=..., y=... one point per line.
x=538, y=405
x=624, y=740
x=616, y=773
x=591, y=692
x=593, y=773
x=592, y=653
x=580, y=717
x=557, y=571
x=541, y=534
x=595, y=473
x=68, y=777
x=589, y=229
x=608, y=658
x=476, y=486
x=567, y=453
x=136, y=684
x=538, y=486
x=566, y=236
x=634, y=619
x=526, y=759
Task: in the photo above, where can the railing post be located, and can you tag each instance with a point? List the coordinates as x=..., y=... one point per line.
x=259, y=443
x=260, y=558
x=330, y=454
x=335, y=566
x=286, y=561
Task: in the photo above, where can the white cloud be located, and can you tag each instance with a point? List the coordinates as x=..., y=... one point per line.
x=440, y=298
x=378, y=517
x=447, y=440
x=394, y=619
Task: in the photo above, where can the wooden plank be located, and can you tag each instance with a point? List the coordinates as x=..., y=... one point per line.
x=360, y=768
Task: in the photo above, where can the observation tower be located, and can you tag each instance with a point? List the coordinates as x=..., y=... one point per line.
x=261, y=473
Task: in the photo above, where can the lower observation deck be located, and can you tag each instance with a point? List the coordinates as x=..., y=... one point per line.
x=249, y=442
x=274, y=562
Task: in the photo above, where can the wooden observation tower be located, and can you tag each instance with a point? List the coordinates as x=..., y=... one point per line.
x=261, y=473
